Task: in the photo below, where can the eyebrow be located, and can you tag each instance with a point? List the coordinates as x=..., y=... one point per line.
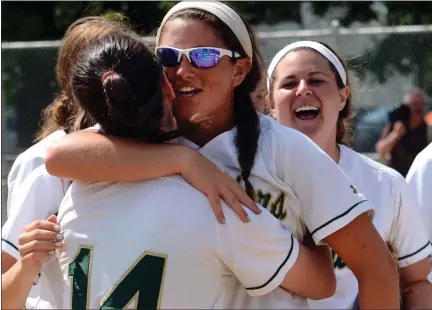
x=292, y=76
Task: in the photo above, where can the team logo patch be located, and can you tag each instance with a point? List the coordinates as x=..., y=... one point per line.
x=354, y=189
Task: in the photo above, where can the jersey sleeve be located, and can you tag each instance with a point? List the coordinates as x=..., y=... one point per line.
x=37, y=197
x=259, y=253
x=328, y=198
x=25, y=163
x=409, y=233
x=19, y=171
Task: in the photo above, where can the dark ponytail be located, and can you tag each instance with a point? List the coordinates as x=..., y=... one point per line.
x=119, y=82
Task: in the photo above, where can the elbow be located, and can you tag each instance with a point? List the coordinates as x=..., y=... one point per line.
x=53, y=161
x=330, y=289
x=385, y=272
x=327, y=288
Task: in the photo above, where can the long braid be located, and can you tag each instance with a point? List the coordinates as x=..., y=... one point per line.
x=246, y=140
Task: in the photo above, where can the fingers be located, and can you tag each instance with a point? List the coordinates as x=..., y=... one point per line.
x=42, y=224
x=36, y=246
x=232, y=202
x=242, y=197
x=52, y=218
x=39, y=234
x=217, y=208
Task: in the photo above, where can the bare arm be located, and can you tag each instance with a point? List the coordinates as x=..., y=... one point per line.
x=92, y=156
x=415, y=287
x=366, y=254
x=35, y=246
x=388, y=140
x=16, y=284
x=312, y=276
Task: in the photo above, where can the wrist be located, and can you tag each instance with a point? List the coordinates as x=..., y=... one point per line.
x=25, y=273
x=395, y=136
x=185, y=157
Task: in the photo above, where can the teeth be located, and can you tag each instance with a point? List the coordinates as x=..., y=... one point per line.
x=306, y=108
x=184, y=89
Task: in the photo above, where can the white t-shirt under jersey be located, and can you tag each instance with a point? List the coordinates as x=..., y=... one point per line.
x=156, y=244
x=397, y=219
x=298, y=183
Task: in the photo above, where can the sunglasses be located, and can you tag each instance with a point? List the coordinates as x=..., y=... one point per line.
x=200, y=57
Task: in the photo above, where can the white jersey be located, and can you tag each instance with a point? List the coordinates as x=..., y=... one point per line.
x=33, y=194
x=26, y=162
x=419, y=178
x=298, y=183
x=397, y=219
x=37, y=197
x=156, y=244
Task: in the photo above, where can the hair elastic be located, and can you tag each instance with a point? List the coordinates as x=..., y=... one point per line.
x=107, y=74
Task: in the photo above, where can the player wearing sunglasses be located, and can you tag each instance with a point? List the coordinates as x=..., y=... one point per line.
x=200, y=57
x=278, y=166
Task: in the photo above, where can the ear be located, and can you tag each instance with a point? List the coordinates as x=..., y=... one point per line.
x=344, y=93
x=242, y=68
x=270, y=105
x=269, y=102
x=168, y=89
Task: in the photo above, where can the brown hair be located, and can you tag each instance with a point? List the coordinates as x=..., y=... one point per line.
x=109, y=84
x=63, y=113
x=245, y=115
x=343, y=127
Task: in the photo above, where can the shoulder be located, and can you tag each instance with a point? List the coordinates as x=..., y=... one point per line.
x=364, y=162
x=422, y=164
x=285, y=137
x=39, y=149
x=33, y=157
x=371, y=174
x=425, y=156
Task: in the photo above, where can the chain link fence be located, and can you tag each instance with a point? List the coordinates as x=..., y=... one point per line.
x=383, y=62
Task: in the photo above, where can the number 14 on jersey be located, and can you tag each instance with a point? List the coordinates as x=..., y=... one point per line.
x=141, y=284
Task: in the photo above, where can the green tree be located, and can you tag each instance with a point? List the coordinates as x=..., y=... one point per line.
x=399, y=52
x=48, y=20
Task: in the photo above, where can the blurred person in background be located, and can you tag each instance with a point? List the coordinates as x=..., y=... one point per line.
x=258, y=96
x=406, y=134
x=309, y=90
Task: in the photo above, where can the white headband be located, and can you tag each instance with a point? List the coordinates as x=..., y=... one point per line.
x=311, y=44
x=221, y=11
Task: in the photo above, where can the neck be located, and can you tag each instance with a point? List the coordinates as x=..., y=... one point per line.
x=330, y=147
x=206, y=130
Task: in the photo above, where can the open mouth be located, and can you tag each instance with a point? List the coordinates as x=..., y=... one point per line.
x=188, y=91
x=307, y=112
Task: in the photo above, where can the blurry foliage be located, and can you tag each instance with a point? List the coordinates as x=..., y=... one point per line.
x=43, y=20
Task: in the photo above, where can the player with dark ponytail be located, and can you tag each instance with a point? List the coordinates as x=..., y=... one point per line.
x=212, y=61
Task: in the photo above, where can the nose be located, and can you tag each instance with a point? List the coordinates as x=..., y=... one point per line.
x=185, y=70
x=303, y=89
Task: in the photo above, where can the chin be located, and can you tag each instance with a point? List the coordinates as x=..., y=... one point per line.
x=310, y=131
